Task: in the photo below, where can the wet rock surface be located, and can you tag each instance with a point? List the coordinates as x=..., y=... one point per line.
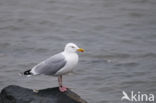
x=16, y=94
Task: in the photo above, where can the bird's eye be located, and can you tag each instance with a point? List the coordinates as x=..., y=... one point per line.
x=72, y=46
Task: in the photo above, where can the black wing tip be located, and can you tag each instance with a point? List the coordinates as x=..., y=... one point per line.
x=27, y=72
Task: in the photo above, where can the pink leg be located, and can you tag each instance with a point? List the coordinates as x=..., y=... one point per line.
x=61, y=87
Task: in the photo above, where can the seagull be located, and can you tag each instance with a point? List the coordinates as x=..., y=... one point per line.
x=58, y=65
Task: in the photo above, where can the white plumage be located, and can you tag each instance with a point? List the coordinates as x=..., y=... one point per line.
x=72, y=61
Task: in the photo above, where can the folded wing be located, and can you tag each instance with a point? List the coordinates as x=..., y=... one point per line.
x=50, y=66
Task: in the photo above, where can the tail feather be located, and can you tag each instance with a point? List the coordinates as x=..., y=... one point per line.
x=28, y=72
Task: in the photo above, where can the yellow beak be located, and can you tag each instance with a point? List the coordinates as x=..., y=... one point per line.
x=80, y=50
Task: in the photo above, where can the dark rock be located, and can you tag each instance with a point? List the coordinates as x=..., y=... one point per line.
x=16, y=94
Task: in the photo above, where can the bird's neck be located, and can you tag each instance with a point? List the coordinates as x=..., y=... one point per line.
x=69, y=53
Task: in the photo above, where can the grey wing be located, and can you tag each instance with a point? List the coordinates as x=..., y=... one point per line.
x=51, y=65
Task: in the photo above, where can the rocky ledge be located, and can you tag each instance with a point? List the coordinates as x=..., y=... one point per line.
x=17, y=94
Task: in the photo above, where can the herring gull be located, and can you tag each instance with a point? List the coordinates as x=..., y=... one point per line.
x=58, y=65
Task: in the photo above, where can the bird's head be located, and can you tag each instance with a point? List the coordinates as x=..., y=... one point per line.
x=72, y=48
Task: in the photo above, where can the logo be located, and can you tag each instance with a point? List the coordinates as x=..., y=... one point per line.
x=137, y=97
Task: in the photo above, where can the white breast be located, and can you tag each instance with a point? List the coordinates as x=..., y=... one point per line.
x=72, y=60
